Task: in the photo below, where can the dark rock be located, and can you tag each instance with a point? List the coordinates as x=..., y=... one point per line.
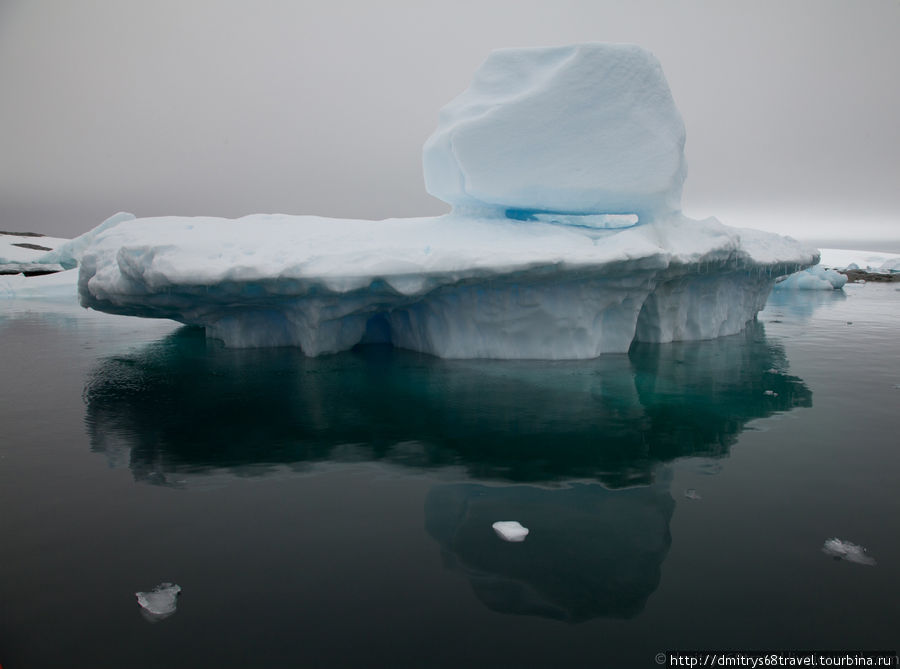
x=22, y=234
x=34, y=247
x=857, y=274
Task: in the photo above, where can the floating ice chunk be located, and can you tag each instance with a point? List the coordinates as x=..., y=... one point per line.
x=771, y=393
x=845, y=550
x=813, y=278
x=510, y=530
x=25, y=248
x=690, y=493
x=159, y=603
x=580, y=129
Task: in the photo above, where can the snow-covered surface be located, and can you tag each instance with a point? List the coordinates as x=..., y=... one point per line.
x=61, y=286
x=873, y=260
x=510, y=530
x=581, y=129
x=10, y=253
x=813, y=278
x=454, y=286
x=28, y=267
x=847, y=551
x=160, y=602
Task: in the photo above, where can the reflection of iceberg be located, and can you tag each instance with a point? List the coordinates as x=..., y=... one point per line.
x=186, y=405
x=799, y=304
x=565, y=169
x=591, y=552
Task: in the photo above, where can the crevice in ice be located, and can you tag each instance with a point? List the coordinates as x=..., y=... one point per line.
x=607, y=221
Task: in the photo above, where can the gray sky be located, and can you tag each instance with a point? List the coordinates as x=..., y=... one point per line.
x=220, y=107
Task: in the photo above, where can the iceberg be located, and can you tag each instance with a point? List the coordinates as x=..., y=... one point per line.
x=564, y=167
x=857, y=259
x=890, y=266
x=57, y=286
x=813, y=278
x=845, y=550
x=159, y=603
x=23, y=253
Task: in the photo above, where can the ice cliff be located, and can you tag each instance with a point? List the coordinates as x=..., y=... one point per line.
x=564, y=167
x=587, y=129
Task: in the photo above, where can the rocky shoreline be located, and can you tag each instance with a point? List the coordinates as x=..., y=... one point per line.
x=859, y=275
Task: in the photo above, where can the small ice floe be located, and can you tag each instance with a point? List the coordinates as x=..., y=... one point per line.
x=772, y=371
x=510, y=530
x=844, y=550
x=690, y=493
x=159, y=603
x=771, y=393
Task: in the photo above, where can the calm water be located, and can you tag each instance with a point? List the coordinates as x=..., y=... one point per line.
x=338, y=511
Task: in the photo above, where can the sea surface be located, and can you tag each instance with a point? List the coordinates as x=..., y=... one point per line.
x=338, y=511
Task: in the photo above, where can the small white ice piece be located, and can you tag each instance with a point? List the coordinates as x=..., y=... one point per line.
x=160, y=602
x=690, y=493
x=845, y=550
x=771, y=393
x=510, y=530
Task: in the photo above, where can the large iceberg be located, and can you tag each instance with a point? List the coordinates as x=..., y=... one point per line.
x=564, y=166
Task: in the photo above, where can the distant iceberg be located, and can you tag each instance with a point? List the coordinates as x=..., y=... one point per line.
x=23, y=253
x=564, y=166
